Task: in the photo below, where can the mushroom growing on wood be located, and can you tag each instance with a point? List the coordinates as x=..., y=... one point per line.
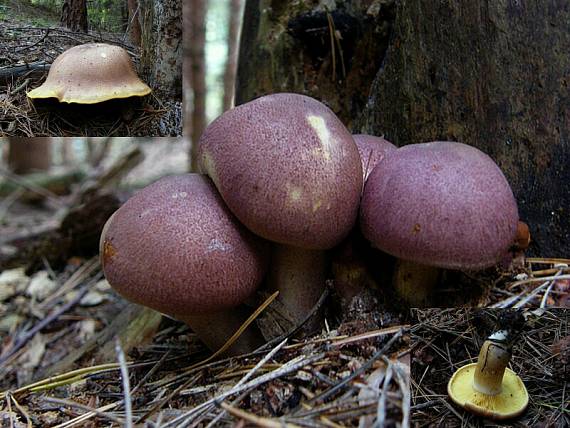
x=175, y=247
x=438, y=205
x=488, y=388
x=289, y=170
x=91, y=73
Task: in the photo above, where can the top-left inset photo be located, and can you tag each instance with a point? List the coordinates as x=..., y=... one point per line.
x=91, y=68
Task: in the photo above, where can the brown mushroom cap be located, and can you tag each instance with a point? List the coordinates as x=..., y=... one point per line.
x=91, y=73
x=372, y=150
x=287, y=168
x=175, y=247
x=441, y=204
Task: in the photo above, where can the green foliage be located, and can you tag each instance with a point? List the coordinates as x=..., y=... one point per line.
x=104, y=15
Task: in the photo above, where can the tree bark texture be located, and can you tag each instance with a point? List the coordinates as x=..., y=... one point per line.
x=197, y=56
x=235, y=15
x=26, y=155
x=161, y=43
x=74, y=15
x=134, y=23
x=326, y=50
x=494, y=75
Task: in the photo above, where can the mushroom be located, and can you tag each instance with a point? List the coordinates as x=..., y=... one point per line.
x=351, y=277
x=289, y=170
x=176, y=248
x=371, y=150
x=91, y=73
x=488, y=388
x=438, y=205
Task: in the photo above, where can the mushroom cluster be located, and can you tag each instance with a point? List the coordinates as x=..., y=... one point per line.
x=285, y=171
x=284, y=183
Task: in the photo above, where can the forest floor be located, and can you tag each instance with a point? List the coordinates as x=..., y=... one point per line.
x=67, y=340
x=30, y=40
x=445, y=340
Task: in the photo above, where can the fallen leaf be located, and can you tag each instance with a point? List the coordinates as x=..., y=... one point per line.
x=41, y=286
x=34, y=352
x=12, y=281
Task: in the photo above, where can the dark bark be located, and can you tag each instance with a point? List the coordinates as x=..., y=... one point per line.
x=235, y=14
x=332, y=55
x=134, y=24
x=490, y=74
x=74, y=15
x=197, y=55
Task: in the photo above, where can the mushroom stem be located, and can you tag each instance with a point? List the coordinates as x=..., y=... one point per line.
x=414, y=282
x=214, y=329
x=299, y=276
x=491, y=364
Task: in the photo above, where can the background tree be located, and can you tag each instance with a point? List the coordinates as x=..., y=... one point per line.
x=490, y=74
x=161, y=42
x=134, y=25
x=197, y=59
x=235, y=18
x=26, y=155
x=74, y=15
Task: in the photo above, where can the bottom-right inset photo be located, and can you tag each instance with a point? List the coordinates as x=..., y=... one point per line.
x=489, y=367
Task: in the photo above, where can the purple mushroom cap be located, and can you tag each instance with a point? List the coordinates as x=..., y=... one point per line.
x=372, y=150
x=175, y=247
x=441, y=204
x=288, y=169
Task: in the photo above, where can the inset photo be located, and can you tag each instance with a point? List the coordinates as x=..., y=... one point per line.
x=97, y=68
x=483, y=367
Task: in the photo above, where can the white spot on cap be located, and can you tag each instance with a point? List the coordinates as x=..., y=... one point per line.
x=177, y=195
x=217, y=245
x=103, y=55
x=293, y=192
x=320, y=127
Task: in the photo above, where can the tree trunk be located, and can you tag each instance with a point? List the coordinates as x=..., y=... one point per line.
x=197, y=55
x=161, y=42
x=134, y=25
x=26, y=155
x=235, y=14
x=74, y=15
x=306, y=47
x=490, y=74
x=187, y=87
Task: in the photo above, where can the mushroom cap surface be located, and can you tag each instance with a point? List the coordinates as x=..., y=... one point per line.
x=511, y=402
x=288, y=169
x=371, y=150
x=441, y=204
x=175, y=247
x=91, y=73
